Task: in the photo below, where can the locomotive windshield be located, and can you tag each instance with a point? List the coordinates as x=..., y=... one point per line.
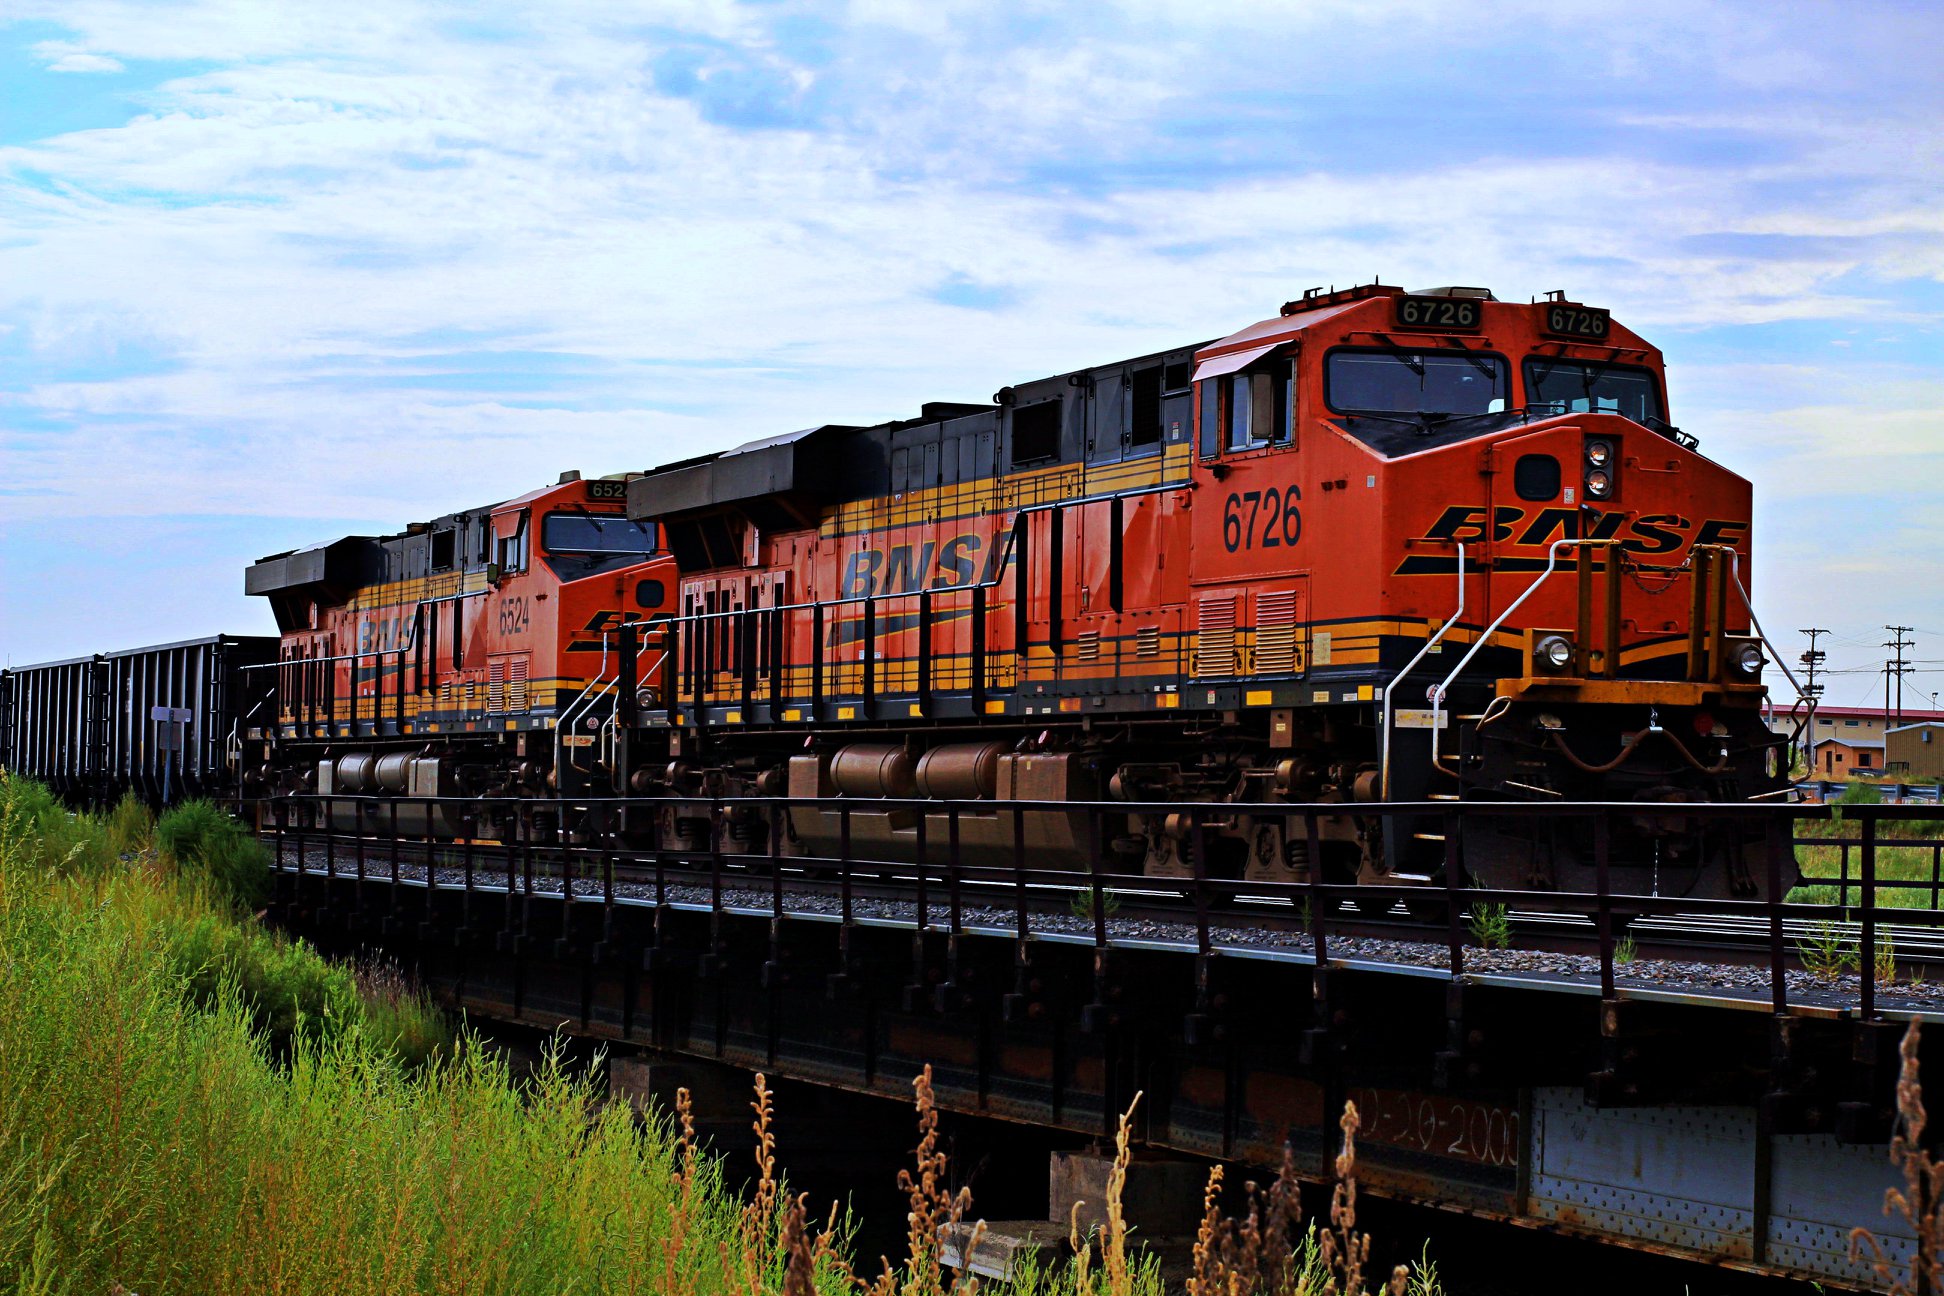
x=1557, y=386
x=595, y=533
x=1415, y=382
x=581, y=544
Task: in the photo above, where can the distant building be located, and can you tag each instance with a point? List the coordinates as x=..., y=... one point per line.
x=1863, y=724
x=1839, y=758
x=1915, y=752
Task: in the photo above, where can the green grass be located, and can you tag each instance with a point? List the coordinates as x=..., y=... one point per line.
x=191, y=1103
x=1911, y=862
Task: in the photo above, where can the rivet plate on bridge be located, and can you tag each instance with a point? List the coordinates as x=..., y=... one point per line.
x=1679, y=1176
x=1821, y=1189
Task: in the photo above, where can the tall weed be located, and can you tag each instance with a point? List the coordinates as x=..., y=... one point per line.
x=205, y=841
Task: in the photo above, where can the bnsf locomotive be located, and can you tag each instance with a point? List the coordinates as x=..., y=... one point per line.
x=1384, y=546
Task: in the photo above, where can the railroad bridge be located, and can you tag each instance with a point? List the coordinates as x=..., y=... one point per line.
x=1709, y=1078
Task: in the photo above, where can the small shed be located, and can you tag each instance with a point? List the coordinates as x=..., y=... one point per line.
x=1916, y=751
x=1837, y=758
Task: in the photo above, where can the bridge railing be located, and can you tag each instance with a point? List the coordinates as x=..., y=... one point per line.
x=735, y=857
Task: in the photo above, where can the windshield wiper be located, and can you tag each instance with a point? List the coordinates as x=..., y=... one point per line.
x=1397, y=352
x=581, y=509
x=1473, y=360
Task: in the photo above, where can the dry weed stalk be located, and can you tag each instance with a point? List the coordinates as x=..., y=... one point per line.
x=934, y=1207
x=1113, y=1250
x=761, y=1210
x=1082, y=1251
x=675, y=1281
x=1346, y=1251
x=1921, y=1200
x=685, y=1142
x=934, y=1211
x=759, y=1216
x=1207, y=1279
x=1255, y=1253
x=800, y=1254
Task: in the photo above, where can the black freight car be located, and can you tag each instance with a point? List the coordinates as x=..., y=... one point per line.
x=161, y=721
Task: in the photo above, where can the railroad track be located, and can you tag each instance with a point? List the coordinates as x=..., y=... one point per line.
x=1138, y=910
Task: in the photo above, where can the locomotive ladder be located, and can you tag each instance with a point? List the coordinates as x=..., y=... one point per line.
x=97, y=718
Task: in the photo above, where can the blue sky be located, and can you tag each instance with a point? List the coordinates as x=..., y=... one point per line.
x=272, y=273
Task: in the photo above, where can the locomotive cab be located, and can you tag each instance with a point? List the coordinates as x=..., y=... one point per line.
x=475, y=655
x=1464, y=471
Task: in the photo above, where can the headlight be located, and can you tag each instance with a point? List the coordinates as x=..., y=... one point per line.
x=645, y=698
x=1747, y=660
x=1553, y=653
x=1598, y=453
x=1598, y=484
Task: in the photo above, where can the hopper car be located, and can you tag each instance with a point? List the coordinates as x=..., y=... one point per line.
x=164, y=722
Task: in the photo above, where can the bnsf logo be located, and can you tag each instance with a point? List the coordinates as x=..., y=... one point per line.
x=1650, y=535
x=906, y=569
x=1655, y=533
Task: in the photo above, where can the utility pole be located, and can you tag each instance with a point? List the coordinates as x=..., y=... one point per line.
x=1899, y=669
x=1812, y=663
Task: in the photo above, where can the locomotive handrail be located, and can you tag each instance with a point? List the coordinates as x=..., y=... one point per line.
x=1384, y=759
x=700, y=688
x=1741, y=592
x=584, y=703
x=1439, y=691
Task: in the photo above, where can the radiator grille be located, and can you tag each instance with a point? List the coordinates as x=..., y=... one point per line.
x=1147, y=641
x=516, y=684
x=1278, y=650
x=506, y=685
x=1215, y=641
x=1086, y=646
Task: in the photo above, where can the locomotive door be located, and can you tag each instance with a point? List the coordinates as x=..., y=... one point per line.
x=1101, y=593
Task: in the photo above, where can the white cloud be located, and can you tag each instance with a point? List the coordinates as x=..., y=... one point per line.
x=378, y=260
x=80, y=62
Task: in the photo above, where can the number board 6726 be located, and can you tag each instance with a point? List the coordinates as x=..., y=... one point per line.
x=1568, y=320
x=1438, y=314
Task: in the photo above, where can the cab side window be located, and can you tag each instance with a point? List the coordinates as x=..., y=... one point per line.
x=510, y=552
x=1255, y=407
x=1239, y=406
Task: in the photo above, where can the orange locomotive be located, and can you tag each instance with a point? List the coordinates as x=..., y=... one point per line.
x=1242, y=572
x=1383, y=546
x=456, y=658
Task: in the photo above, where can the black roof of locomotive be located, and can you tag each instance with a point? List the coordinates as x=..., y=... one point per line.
x=773, y=478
